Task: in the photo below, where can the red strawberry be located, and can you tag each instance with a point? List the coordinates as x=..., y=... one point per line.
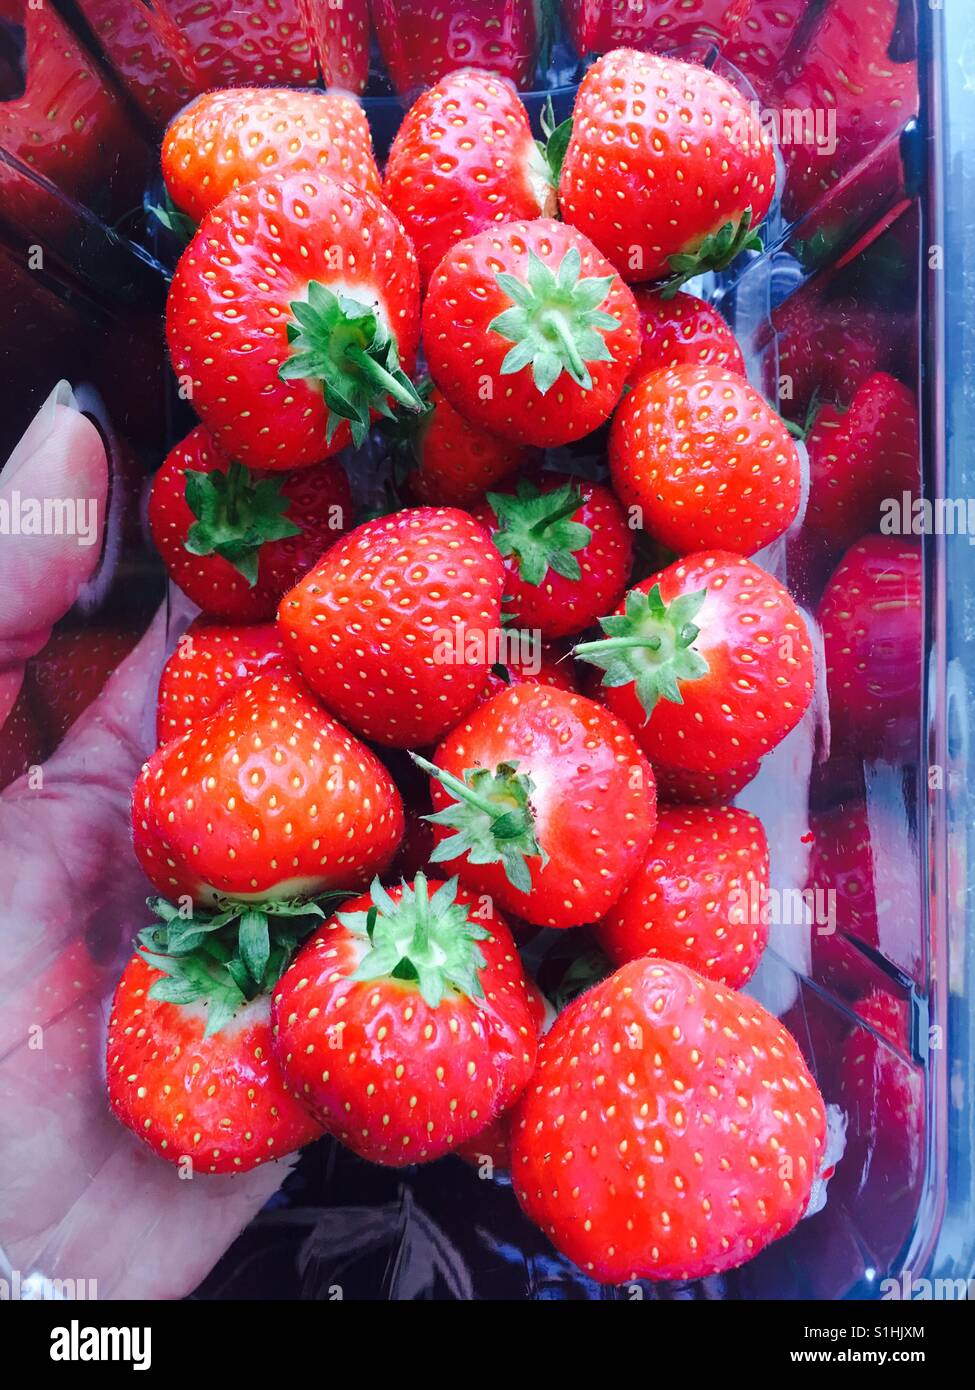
x=667, y=171
x=681, y=786
x=420, y=43
x=828, y=348
x=227, y=139
x=235, y=541
x=692, y=901
x=415, y=848
x=235, y=41
x=405, y=1023
x=463, y=159
x=540, y=665
x=709, y=662
x=456, y=462
x=683, y=331
x=70, y=671
x=859, y=459
x=211, y=662
x=147, y=52
x=22, y=742
x=704, y=462
x=567, y=551
x=394, y=628
x=762, y=46
x=871, y=616
x=544, y=802
x=671, y=1130
x=595, y=26
x=341, y=36
x=266, y=798
x=218, y=1100
x=286, y=367
x=532, y=295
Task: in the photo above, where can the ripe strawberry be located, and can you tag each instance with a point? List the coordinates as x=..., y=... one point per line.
x=828, y=348
x=70, y=671
x=22, y=741
x=543, y=801
x=455, y=461
x=147, y=52
x=530, y=295
x=667, y=170
x=340, y=33
x=871, y=616
x=218, y=1099
x=463, y=159
x=211, y=662
x=266, y=798
x=420, y=43
x=596, y=26
x=691, y=902
x=539, y=665
x=394, y=627
x=224, y=140
x=709, y=663
x=671, y=1131
x=404, y=1023
x=567, y=550
x=705, y=461
x=682, y=331
x=231, y=42
x=286, y=367
x=679, y=786
x=762, y=47
x=235, y=541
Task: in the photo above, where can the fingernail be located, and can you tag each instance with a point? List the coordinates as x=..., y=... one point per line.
x=39, y=429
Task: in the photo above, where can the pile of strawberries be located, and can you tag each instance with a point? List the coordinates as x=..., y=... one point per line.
x=390, y=751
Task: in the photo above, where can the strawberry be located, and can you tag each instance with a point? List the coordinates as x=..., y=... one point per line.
x=871, y=616
x=595, y=26
x=230, y=42
x=217, y=1099
x=286, y=367
x=709, y=663
x=704, y=462
x=567, y=551
x=224, y=140
x=762, y=46
x=69, y=672
x=394, y=626
x=682, y=331
x=671, y=1131
x=667, y=169
x=265, y=798
x=235, y=541
x=404, y=1023
x=455, y=462
x=463, y=159
x=541, y=665
x=211, y=662
x=691, y=900
x=147, y=52
x=684, y=786
x=828, y=348
x=420, y=43
x=532, y=295
x=543, y=801
x=22, y=741
x=340, y=33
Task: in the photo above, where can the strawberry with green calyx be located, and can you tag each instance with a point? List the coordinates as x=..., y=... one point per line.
x=405, y=1023
x=709, y=662
x=543, y=801
x=567, y=547
x=715, y=253
x=520, y=310
x=286, y=369
x=235, y=540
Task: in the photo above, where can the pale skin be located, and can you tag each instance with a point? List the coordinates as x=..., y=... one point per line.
x=80, y=1197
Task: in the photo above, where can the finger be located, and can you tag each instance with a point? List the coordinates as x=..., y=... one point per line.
x=53, y=491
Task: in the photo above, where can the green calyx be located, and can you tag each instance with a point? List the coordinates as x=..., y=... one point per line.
x=556, y=324
x=716, y=252
x=236, y=514
x=430, y=941
x=803, y=430
x=346, y=346
x=650, y=646
x=168, y=215
x=535, y=527
x=492, y=819
x=555, y=143
x=224, y=958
